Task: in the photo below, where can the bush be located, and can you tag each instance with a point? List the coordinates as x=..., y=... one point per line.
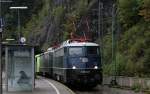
x=133, y=54
x=119, y=67
x=136, y=87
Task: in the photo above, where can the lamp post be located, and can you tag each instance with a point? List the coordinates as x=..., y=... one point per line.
x=19, y=24
x=1, y=29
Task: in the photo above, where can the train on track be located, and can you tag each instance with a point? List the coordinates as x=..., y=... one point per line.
x=73, y=62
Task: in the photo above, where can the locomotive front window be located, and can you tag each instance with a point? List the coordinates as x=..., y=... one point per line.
x=92, y=50
x=75, y=51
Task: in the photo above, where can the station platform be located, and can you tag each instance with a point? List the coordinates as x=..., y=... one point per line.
x=46, y=86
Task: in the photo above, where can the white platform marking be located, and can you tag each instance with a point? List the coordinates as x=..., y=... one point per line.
x=57, y=91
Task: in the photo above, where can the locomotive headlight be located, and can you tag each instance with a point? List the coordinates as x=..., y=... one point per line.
x=74, y=67
x=95, y=67
x=85, y=60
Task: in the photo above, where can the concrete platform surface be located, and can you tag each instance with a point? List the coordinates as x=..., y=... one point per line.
x=46, y=86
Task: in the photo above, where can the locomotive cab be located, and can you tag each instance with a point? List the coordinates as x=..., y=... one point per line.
x=83, y=63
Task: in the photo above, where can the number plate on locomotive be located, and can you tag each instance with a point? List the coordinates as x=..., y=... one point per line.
x=84, y=71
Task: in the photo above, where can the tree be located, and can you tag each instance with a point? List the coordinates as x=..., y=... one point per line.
x=128, y=12
x=145, y=10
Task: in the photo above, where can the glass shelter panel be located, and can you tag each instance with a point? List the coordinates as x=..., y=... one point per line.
x=20, y=69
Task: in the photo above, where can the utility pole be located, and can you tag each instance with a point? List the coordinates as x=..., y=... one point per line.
x=1, y=84
x=100, y=27
x=114, y=43
x=1, y=30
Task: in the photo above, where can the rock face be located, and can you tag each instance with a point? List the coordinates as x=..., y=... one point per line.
x=52, y=28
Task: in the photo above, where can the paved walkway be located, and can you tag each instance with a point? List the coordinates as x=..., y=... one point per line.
x=46, y=86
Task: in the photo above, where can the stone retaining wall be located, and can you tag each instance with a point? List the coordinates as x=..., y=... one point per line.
x=129, y=81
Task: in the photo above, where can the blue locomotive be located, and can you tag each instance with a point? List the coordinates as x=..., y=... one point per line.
x=72, y=62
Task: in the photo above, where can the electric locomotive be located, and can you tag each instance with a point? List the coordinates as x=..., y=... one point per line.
x=77, y=62
x=73, y=62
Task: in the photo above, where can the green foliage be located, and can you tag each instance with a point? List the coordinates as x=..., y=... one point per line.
x=136, y=47
x=69, y=26
x=107, y=49
x=128, y=12
x=134, y=52
x=58, y=13
x=134, y=42
x=65, y=36
x=145, y=10
x=81, y=7
x=119, y=67
x=36, y=20
x=136, y=87
x=55, y=20
x=11, y=17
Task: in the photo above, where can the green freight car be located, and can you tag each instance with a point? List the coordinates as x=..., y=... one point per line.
x=37, y=63
x=44, y=63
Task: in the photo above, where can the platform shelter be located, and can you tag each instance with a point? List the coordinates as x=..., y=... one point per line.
x=19, y=60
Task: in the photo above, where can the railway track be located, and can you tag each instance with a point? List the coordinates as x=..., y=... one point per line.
x=63, y=89
x=96, y=90
x=106, y=90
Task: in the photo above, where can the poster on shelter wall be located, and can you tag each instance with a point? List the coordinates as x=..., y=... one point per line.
x=20, y=66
